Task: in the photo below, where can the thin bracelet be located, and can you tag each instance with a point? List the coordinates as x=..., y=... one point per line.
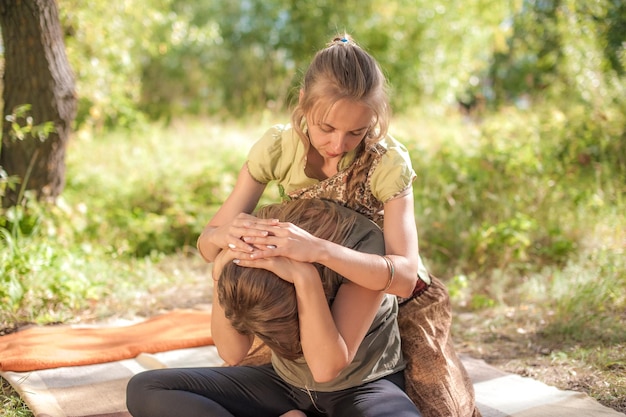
x=207, y=260
x=392, y=272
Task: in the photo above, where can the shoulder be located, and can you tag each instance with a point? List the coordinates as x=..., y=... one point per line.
x=394, y=173
x=365, y=235
x=268, y=155
x=394, y=152
x=275, y=137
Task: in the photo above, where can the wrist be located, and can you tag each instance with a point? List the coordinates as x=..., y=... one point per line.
x=305, y=276
x=324, y=252
x=206, y=248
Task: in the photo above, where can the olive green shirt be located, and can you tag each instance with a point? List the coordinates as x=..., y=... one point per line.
x=380, y=352
x=279, y=155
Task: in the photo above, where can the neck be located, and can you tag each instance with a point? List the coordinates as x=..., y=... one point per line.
x=319, y=168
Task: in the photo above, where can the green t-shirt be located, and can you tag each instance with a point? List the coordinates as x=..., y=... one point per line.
x=380, y=352
x=280, y=156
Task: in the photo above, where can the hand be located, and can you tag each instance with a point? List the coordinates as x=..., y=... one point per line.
x=222, y=258
x=284, y=239
x=285, y=268
x=231, y=235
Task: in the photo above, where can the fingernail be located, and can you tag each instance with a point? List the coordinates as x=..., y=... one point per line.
x=236, y=261
x=271, y=246
x=232, y=245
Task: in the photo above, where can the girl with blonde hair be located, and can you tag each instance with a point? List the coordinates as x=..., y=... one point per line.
x=338, y=147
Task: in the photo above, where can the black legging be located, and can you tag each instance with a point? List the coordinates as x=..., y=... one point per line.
x=257, y=391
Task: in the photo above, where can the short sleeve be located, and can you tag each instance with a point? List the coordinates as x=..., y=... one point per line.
x=265, y=155
x=394, y=174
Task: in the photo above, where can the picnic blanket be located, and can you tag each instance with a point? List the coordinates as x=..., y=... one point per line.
x=47, y=347
x=99, y=389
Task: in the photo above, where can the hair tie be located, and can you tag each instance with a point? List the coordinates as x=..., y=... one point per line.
x=341, y=40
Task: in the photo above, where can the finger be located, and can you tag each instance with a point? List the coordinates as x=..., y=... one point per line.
x=265, y=254
x=262, y=223
x=267, y=229
x=253, y=263
x=228, y=255
x=237, y=244
x=248, y=231
x=265, y=249
x=262, y=242
x=245, y=216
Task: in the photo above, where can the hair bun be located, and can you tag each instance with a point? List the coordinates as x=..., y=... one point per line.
x=342, y=40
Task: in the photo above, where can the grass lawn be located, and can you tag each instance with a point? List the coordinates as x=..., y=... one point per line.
x=529, y=239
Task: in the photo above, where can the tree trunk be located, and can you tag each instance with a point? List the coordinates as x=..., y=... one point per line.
x=38, y=73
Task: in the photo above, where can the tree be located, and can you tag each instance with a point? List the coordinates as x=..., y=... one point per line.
x=37, y=73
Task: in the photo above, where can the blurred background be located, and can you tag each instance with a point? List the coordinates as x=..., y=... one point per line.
x=514, y=112
x=164, y=58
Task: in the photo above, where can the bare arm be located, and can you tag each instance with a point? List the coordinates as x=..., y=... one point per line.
x=330, y=338
x=329, y=349
x=401, y=243
x=231, y=345
x=231, y=222
x=369, y=271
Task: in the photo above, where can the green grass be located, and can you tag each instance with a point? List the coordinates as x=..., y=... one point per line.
x=521, y=209
x=11, y=404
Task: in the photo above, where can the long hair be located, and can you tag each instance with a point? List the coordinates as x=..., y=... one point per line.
x=344, y=70
x=257, y=302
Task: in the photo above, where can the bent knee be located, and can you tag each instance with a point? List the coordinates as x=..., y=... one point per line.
x=137, y=390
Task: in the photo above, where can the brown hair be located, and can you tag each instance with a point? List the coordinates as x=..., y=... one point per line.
x=343, y=70
x=258, y=302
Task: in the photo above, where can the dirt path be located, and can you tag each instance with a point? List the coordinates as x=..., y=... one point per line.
x=517, y=346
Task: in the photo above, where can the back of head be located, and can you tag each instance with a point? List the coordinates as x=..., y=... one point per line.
x=343, y=70
x=258, y=302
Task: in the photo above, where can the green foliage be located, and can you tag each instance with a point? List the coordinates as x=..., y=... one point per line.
x=106, y=44
x=170, y=57
x=7, y=181
x=515, y=196
x=48, y=280
x=11, y=405
x=586, y=295
x=28, y=129
x=150, y=203
x=22, y=128
x=563, y=48
x=118, y=217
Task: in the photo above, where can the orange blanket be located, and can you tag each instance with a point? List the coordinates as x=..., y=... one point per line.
x=56, y=346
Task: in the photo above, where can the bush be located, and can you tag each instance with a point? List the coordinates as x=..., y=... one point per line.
x=514, y=194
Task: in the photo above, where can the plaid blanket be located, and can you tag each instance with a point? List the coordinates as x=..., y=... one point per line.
x=99, y=389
